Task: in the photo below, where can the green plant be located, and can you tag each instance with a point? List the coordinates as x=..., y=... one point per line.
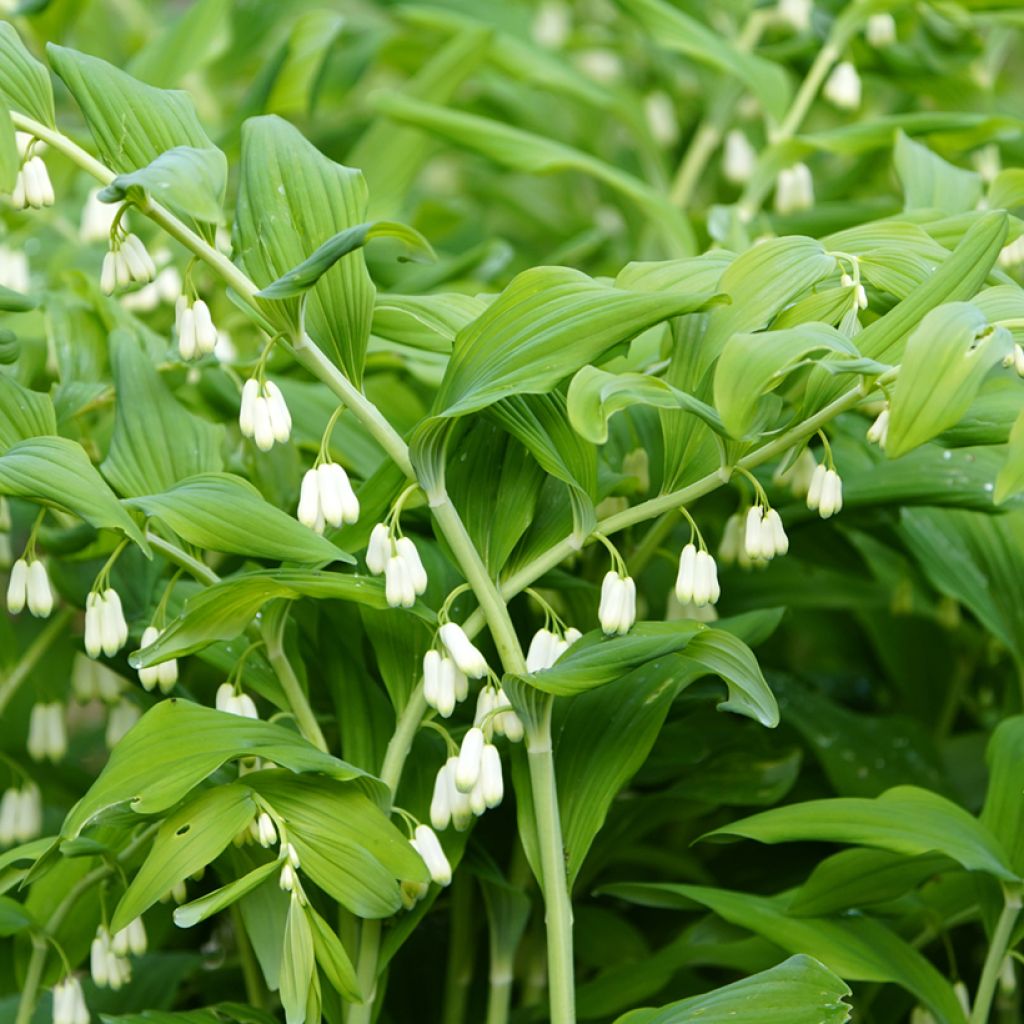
x=541, y=360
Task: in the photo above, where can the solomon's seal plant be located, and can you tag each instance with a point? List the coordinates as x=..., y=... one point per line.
x=511, y=512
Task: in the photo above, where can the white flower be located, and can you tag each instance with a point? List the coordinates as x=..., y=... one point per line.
x=467, y=770
x=551, y=24
x=21, y=814
x=753, y=534
x=130, y=939
x=466, y=656
x=604, y=66
x=442, y=682
x=878, y=432
x=235, y=703
x=508, y=723
x=32, y=186
x=288, y=879
x=246, y=409
x=97, y=218
x=91, y=681
x=263, y=414
x=796, y=13
x=843, y=86
x=407, y=550
x=120, y=719
x=429, y=848
x=697, y=580
x=266, y=832
x=794, y=189
x=730, y=547
x=69, y=1002
x=280, y=417
x=141, y=267
x=17, y=587
x=441, y=801
x=491, y=782
x=617, y=610
x=337, y=499
x=47, y=735
x=826, y=492
x=545, y=647
x=107, y=967
x=378, y=550
x=739, y=159
x=109, y=628
x=798, y=475
x=661, y=117
x=165, y=674
x=486, y=702
x=398, y=585
x=773, y=535
x=14, y=269
x=881, y=30
x=40, y=596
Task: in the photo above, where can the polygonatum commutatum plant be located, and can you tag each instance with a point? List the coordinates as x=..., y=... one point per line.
x=419, y=428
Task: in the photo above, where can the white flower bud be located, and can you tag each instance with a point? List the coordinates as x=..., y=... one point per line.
x=842, y=89
x=263, y=426
x=99, y=959
x=280, y=417
x=441, y=801
x=686, y=577
x=705, y=586
x=28, y=822
x=36, y=744
x=794, y=189
x=245, y=707
x=18, y=198
x=617, y=610
x=739, y=158
x=466, y=656
x=431, y=676
x=878, y=432
x=452, y=687
x=225, y=699
x=14, y=274
x=309, y=512
x=113, y=627
x=17, y=587
x=543, y=651
x=831, y=500
x=288, y=878
x=511, y=723
x=10, y=805
x=467, y=770
x=881, y=30
x=69, y=1002
x=662, y=122
x=247, y=409
x=752, y=536
x=814, y=491
x=731, y=544
x=378, y=550
x=491, y=782
x=338, y=502
x=430, y=850
x=796, y=13
x=205, y=332
x=407, y=551
x=398, y=585
x=266, y=832
x=551, y=24
x=40, y=596
x=137, y=259
x=773, y=534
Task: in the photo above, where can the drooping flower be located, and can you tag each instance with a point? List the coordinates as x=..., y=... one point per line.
x=697, y=579
x=193, y=324
x=617, y=610
x=739, y=158
x=47, y=733
x=843, y=87
x=120, y=719
x=69, y=1005
x=429, y=848
x=165, y=674
x=467, y=769
x=878, y=432
x=826, y=492
x=881, y=30
x=263, y=414
x=464, y=653
x=794, y=189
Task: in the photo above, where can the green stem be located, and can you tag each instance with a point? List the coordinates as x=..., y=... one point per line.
x=555, y=882
x=366, y=973
x=193, y=566
x=996, y=952
x=39, y=646
x=499, y=995
x=461, y=951
x=33, y=976
x=293, y=691
x=250, y=968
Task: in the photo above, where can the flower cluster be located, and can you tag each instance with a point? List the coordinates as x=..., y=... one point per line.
x=763, y=535
x=47, y=735
x=109, y=968
x=697, y=579
x=127, y=261
x=106, y=630
x=264, y=414
x=29, y=585
x=326, y=498
x=404, y=575
x=234, y=702
x=21, y=814
x=825, y=495
x=547, y=646
x=69, y=1002
x=164, y=675
x=194, y=326
x=617, y=611
x=32, y=187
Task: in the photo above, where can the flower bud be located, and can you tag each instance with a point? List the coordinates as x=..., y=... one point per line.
x=309, y=513
x=543, y=651
x=407, y=551
x=120, y=720
x=752, y=536
x=510, y=722
x=247, y=409
x=794, y=189
x=429, y=848
x=881, y=30
x=266, y=832
x=617, y=610
x=17, y=587
x=378, y=550
x=338, y=502
x=773, y=536
x=831, y=495
x=739, y=159
x=466, y=656
x=280, y=417
x=842, y=89
x=205, y=332
x=685, y=578
x=185, y=326
x=878, y=432
x=797, y=13
x=491, y=782
x=40, y=596
x=467, y=770
x=441, y=801
x=398, y=584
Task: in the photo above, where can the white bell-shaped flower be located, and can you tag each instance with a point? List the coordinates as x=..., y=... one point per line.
x=17, y=587
x=794, y=189
x=263, y=414
x=843, y=87
x=407, y=550
x=796, y=13
x=773, y=534
x=47, y=733
x=543, y=650
x=826, y=492
x=338, y=500
x=164, y=675
x=14, y=271
x=467, y=770
x=508, y=723
x=69, y=1005
x=464, y=653
x=491, y=781
x=398, y=583
x=39, y=594
x=441, y=800
x=660, y=114
x=429, y=848
x=378, y=550
x=617, y=610
x=880, y=30
x=266, y=831
x=739, y=158
x=130, y=939
x=878, y=432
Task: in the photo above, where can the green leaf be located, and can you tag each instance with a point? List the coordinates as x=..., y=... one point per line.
x=15, y=302
x=24, y=82
x=596, y=395
x=929, y=182
x=313, y=35
x=156, y=441
x=799, y=991
x=855, y=948
x=1003, y=812
x=1010, y=480
x=190, y=914
x=944, y=363
x=14, y=918
x=189, y=180
x=132, y=123
x=187, y=43
x=57, y=472
x=333, y=959
x=301, y=278
x=428, y=322
x=674, y=30
x=345, y=842
x=187, y=841
x=290, y=199
x=224, y=610
x=752, y=364
x=905, y=820
x=297, y=963
x=23, y=413
x=1007, y=189
x=222, y=512
x=177, y=744
x=545, y=325
x=10, y=164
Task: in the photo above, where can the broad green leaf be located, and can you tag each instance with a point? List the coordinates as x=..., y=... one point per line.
x=1003, y=812
x=752, y=364
x=944, y=363
x=1010, y=480
x=187, y=43
x=156, y=441
x=545, y=325
x=191, y=913
x=177, y=744
x=333, y=959
x=224, y=610
x=930, y=182
x=132, y=123
x=526, y=151
x=904, y=820
x=24, y=82
x=859, y=878
x=291, y=199
x=297, y=963
x=23, y=413
x=188, y=179
x=595, y=396
x=309, y=44
x=14, y=918
x=596, y=659
x=345, y=842
x=222, y=512
x=799, y=991
x=674, y=30
x=855, y=948
x=1007, y=189
x=56, y=471
x=301, y=278
x=428, y=322
x=187, y=841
